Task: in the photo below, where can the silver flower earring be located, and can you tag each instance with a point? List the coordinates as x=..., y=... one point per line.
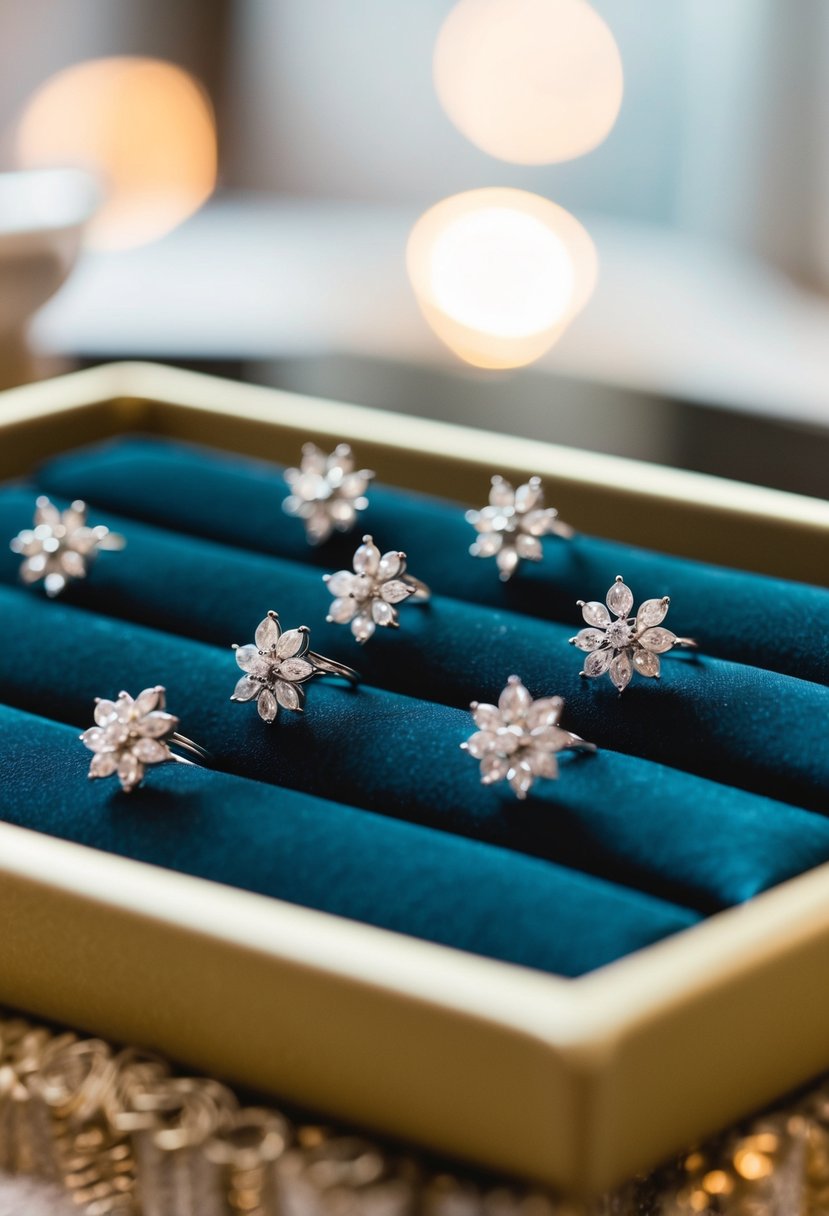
x=518, y=739
x=61, y=545
x=326, y=491
x=628, y=644
x=369, y=596
x=511, y=526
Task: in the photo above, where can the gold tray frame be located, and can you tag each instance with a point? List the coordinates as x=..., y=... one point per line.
x=573, y=1083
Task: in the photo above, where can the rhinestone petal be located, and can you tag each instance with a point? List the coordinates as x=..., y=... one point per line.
x=646, y=664
x=508, y=739
x=287, y=695
x=479, y=744
x=72, y=564
x=84, y=540
x=105, y=712
x=367, y=558
x=150, y=751
x=514, y=701
x=486, y=717
x=292, y=642
x=507, y=560
x=53, y=584
x=340, y=583
x=396, y=591
x=266, y=705
x=529, y=496
x=589, y=639
x=544, y=764
x=362, y=627
x=130, y=770
x=528, y=547
x=621, y=670
x=382, y=613
x=96, y=740
x=248, y=657
x=342, y=610
x=501, y=493
x=296, y=670
x=657, y=640
x=487, y=544
x=390, y=565
x=550, y=738
x=620, y=599
x=521, y=779
x=595, y=613
x=493, y=768
x=33, y=568
x=651, y=612
x=156, y=724
x=246, y=689
x=597, y=663
x=148, y=700
x=267, y=633
x=103, y=764
x=544, y=712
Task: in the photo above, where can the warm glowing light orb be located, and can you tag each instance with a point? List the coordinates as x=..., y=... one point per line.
x=499, y=274
x=529, y=81
x=145, y=127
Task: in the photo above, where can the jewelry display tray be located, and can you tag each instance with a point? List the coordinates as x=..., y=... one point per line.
x=576, y=1083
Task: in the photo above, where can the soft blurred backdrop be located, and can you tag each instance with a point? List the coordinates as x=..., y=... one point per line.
x=259, y=183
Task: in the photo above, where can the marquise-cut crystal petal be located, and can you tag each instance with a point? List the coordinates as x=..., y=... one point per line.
x=54, y=583
x=521, y=779
x=156, y=724
x=487, y=544
x=528, y=497
x=342, y=610
x=150, y=751
x=396, y=591
x=362, y=586
x=292, y=642
x=72, y=564
x=646, y=664
x=148, y=700
x=340, y=583
x=96, y=740
x=544, y=764
x=651, y=612
x=105, y=712
x=494, y=768
x=501, y=493
x=528, y=547
x=287, y=695
x=479, y=744
x=390, y=566
x=46, y=513
x=343, y=513
x=514, y=702
x=355, y=484
x=103, y=764
x=246, y=689
x=295, y=670
x=595, y=613
x=544, y=712
x=486, y=717
x=266, y=705
x=597, y=663
x=508, y=739
x=382, y=612
x=507, y=560
x=589, y=639
x=657, y=640
x=550, y=738
x=362, y=627
x=620, y=599
x=130, y=770
x=267, y=633
x=367, y=558
x=621, y=670
x=247, y=657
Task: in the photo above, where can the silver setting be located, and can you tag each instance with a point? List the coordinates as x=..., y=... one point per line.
x=130, y=734
x=278, y=664
x=511, y=527
x=60, y=546
x=627, y=644
x=518, y=739
x=368, y=596
x=326, y=491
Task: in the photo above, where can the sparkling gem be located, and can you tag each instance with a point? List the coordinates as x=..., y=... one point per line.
x=96, y=739
x=620, y=599
x=486, y=717
x=362, y=586
x=514, y=701
x=529, y=496
x=382, y=612
x=595, y=613
x=390, y=566
x=501, y=493
x=597, y=663
x=247, y=657
x=342, y=610
x=340, y=583
x=54, y=583
x=480, y=743
x=521, y=779
x=156, y=724
x=507, y=560
x=646, y=664
x=287, y=695
x=367, y=557
x=528, y=547
x=148, y=700
x=246, y=689
x=544, y=712
x=116, y=733
x=508, y=739
x=544, y=764
x=657, y=640
x=150, y=751
x=487, y=544
x=651, y=612
x=266, y=705
x=103, y=764
x=362, y=627
x=396, y=591
x=267, y=634
x=296, y=670
x=619, y=634
x=292, y=642
x=494, y=768
x=621, y=670
x=130, y=770
x=589, y=639
x=105, y=712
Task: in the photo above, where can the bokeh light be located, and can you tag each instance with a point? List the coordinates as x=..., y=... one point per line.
x=500, y=273
x=529, y=81
x=145, y=127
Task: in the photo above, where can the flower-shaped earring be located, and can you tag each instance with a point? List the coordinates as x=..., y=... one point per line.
x=326, y=492
x=130, y=734
x=629, y=643
x=369, y=596
x=61, y=546
x=278, y=664
x=511, y=527
x=518, y=739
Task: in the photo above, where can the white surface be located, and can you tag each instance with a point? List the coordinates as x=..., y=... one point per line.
x=22, y=1196
x=261, y=278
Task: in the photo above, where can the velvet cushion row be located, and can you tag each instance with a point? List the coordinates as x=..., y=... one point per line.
x=735, y=724
x=746, y=618
x=692, y=841
x=328, y=856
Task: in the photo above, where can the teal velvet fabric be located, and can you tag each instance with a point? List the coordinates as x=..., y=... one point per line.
x=708, y=787
x=329, y=856
x=745, y=618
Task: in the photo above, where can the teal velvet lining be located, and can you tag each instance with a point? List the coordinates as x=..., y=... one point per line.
x=745, y=618
x=328, y=856
x=702, y=795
